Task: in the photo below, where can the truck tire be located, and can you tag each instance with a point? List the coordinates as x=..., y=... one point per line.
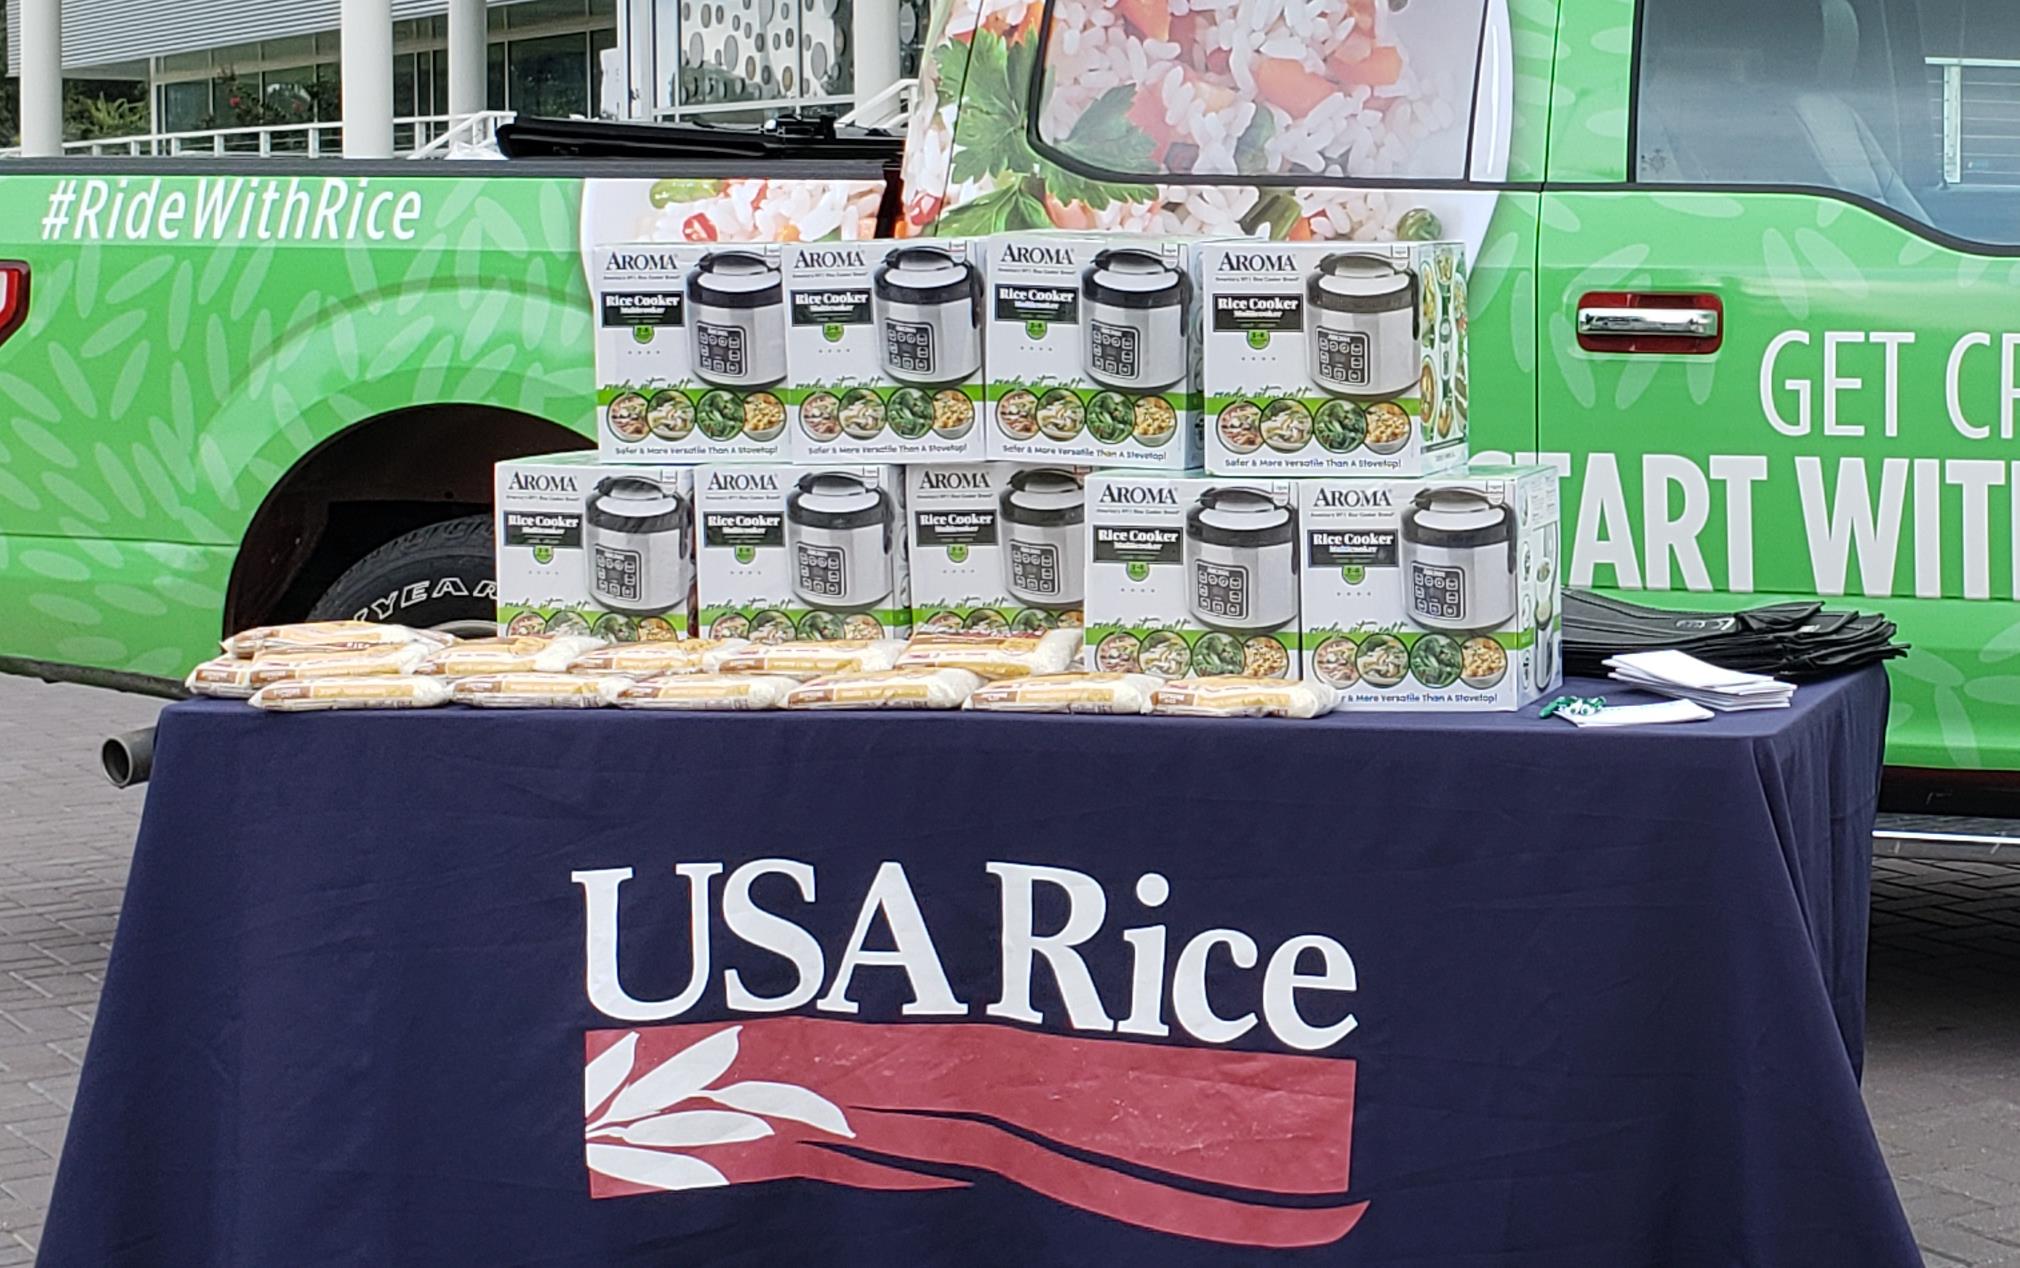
x=440, y=576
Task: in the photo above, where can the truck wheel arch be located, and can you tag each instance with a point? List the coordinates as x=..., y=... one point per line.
x=367, y=484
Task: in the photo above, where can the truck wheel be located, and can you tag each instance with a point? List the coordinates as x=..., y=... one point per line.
x=440, y=576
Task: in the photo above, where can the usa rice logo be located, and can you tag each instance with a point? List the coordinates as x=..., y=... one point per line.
x=1187, y=1137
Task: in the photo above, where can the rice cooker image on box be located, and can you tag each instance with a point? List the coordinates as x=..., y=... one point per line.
x=736, y=320
x=929, y=316
x=1043, y=513
x=839, y=534
x=1241, y=561
x=1362, y=327
x=638, y=546
x=1135, y=328
x=1458, y=557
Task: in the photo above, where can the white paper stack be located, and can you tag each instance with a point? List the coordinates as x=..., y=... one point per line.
x=1685, y=677
x=1638, y=714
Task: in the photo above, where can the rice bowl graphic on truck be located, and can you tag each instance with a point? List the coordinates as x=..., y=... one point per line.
x=1117, y=1129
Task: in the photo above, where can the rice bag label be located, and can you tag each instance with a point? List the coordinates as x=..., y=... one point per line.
x=1131, y=544
x=1258, y=312
x=831, y=308
x=1351, y=548
x=641, y=308
x=955, y=528
x=1053, y=305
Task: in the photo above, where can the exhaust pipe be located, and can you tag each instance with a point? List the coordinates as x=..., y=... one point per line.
x=128, y=759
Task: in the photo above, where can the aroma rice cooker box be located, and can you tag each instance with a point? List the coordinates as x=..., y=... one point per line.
x=997, y=546
x=1334, y=358
x=1191, y=575
x=1093, y=352
x=585, y=547
x=803, y=552
x=884, y=350
x=690, y=353
x=1434, y=593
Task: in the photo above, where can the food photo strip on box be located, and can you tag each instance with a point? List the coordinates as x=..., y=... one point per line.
x=690, y=353
x=1334, y=358
x=1093, y=351
x=884, y=351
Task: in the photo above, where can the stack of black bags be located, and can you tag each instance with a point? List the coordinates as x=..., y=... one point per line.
x=1789, y=640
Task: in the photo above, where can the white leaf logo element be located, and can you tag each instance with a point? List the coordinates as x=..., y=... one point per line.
x=656, y=1170
x=608, y=1072
x=692, y=1127
x=783, y=1100
x=680, y=1076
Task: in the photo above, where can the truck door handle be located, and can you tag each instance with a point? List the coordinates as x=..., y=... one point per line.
x=1687, y=324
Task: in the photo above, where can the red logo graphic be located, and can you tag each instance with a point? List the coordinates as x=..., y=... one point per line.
x=1239, y=1147
x=13, y=297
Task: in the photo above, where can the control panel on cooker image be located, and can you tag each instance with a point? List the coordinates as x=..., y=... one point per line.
x=619, y=573
x=1220, y=590
x=720, y=350
x=1438, y=592
x=910, y=345
x=823, y=571
x=1113, y=350
x=1034, y=569
x=1343, y=356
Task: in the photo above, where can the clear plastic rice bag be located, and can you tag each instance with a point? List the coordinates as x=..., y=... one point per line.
x=329, y=636
x=807, y=658
x=915, y=687
x=1234, y=696
x=307, y=695
x=731, y=692
x=538, y=690
x=994, y=656
x=227, y=677
x=508, y=654
x=364, y=662
x=649, y=660
x=1067, y=693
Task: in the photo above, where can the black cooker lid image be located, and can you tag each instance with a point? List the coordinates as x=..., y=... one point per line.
x=636, y=504
x=926, y=276
x=1240, y=517
x=1044, y=497
x=1129, y=277
x=735, y=279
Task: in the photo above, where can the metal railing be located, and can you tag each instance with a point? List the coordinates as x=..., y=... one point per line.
x=1978, y=100
x=416, y=135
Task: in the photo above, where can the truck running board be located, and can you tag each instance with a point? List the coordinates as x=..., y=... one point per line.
x=1956, y=838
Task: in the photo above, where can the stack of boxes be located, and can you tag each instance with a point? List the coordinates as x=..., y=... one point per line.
x=1216, y=456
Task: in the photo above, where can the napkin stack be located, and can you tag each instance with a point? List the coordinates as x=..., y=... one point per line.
x=1685, y=677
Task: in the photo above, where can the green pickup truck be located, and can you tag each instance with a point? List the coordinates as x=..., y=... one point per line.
x=1743, y=270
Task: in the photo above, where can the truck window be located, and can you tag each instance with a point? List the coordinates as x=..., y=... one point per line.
x=1279, y=88
x=1912, y=106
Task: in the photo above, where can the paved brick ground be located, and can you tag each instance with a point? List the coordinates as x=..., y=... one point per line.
x=1942, y=1074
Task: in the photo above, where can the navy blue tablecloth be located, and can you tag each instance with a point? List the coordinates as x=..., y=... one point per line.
x=983, y=990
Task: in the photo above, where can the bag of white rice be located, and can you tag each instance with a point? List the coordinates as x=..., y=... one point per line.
x=387, y=658
x=734, y=692
x=649, y=660
x=808, y=658
x=1067, y=693
x=1234, y=696
x=306, y=695
x=508, y=654
x=329, y=636
x=227, y=677
x=917, y=687
x=538, y=691
x=994, y=656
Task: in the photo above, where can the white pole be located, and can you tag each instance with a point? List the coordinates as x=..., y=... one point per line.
x=468, y=70
x=876, y=47
x=41, y=78
x=367, y=69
